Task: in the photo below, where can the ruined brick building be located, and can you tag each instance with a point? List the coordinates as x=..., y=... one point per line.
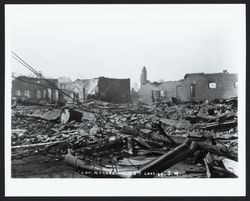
x=194, y=87
x=102, y=88
x=35, y=88
x=105, y=89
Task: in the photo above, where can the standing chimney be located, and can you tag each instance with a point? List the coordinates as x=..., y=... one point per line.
x=143, y=76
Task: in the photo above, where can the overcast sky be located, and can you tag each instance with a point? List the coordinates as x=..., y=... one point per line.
x=88, y=41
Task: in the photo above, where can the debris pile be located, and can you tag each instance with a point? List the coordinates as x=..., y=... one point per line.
x=101, y=139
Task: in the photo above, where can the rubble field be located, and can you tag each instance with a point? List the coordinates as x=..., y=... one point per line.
x=135, y=140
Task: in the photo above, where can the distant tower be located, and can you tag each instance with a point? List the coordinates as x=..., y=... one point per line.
x=144, y=76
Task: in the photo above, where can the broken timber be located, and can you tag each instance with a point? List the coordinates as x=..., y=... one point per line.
x=202, y=144
x=27, y=146
x=150, y=170
x=167, y=160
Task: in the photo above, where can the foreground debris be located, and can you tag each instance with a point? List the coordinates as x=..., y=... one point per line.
x=100, y=139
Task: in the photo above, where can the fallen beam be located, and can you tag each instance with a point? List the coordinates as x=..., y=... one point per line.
x=150, y=170
x=202, y=145
x=219, y=126
x=167, y=160
x=37, y=145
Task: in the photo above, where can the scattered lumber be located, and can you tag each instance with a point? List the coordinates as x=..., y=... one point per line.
x=28, y=146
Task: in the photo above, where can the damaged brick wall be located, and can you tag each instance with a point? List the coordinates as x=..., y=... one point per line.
x=114, y=90
x=145, y=92
x=209, y=86
x=166, y=91
x=35, y=88
x=106, y=89
x=198, y=86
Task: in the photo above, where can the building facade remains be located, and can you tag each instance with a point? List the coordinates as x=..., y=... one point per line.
x=102, y=88
x=35, y=88
x=194, y=87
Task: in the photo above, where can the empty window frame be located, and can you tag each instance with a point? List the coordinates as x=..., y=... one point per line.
x=50, y=93
x=18, y=93
x=38, y=94
x=163, y=94
x=212, y=85
x=236, y=85
x=27, y=93
x=192, y=91
x=56, y=94
x=44, y=94
x=157, y=94
x=178, y=90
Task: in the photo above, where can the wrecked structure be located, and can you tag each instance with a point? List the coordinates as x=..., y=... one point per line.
x=102, y=88
x=79, y=89
x=132, y=140
x=194, y=87
x=123, y=139
x=25, y=87
x=114, y=90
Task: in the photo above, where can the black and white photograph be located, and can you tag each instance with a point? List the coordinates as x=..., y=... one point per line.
x=136, y=98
